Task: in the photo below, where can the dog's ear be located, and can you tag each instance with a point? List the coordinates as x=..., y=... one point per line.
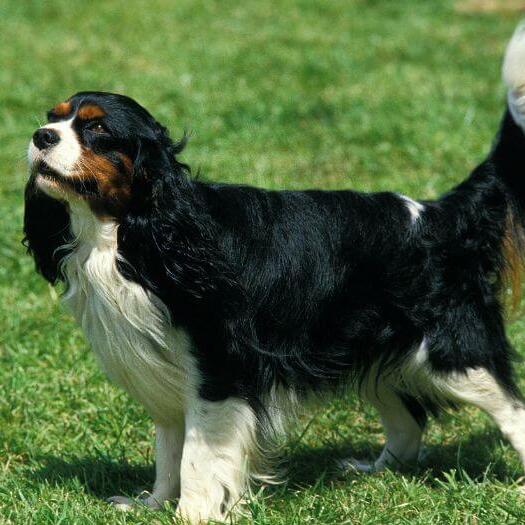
x=46, y=230
x=156, y=155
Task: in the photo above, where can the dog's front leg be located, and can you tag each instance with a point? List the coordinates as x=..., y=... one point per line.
x=214, y=470
x=169, y=440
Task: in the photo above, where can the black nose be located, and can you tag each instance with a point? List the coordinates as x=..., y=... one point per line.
x=45, y=138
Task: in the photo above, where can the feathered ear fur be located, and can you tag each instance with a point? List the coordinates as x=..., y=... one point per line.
x=46, y=229
x=168, y=220
x=157, y=152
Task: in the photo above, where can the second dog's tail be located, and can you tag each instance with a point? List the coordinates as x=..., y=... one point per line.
x=514, y=75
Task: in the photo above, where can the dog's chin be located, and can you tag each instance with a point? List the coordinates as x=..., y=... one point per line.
x=50, y=187
x=50, y=181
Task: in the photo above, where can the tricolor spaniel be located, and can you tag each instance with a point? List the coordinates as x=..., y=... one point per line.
x=222, y=308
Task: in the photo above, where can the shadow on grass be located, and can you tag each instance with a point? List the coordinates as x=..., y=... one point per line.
x=101, y=476
x=479, y=456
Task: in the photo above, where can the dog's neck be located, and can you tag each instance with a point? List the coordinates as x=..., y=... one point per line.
x=89, y=230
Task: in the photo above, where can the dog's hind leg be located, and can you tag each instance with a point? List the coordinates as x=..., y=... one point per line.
x=404, y=421
x=477, y=386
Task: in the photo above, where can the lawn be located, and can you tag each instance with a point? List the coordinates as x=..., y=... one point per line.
x=370, y=95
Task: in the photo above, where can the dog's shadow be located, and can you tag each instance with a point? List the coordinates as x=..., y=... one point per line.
x=101, y=476
x=479, y=456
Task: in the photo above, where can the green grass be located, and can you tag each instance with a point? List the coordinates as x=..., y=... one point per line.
x=369, y=95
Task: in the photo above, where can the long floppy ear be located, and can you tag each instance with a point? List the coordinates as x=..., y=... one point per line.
x=156, y=155
x=168, y=218
x=46, y=229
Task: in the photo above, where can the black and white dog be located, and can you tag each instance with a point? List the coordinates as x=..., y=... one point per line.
x=223, y=308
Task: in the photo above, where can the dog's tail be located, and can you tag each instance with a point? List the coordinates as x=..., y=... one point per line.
x=509, y=157
x=514, y=75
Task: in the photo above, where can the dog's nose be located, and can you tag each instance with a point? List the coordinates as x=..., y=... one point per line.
x=45, y=138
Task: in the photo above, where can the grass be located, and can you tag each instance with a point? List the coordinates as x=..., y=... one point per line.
x=369, y=95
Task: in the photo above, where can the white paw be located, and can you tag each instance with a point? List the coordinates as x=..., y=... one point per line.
x=152, y=502
x=356, y=465
x=192, y=513
x=122, y=503
x=127, y=504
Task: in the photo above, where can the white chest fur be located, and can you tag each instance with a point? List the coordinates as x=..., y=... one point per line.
x=128, y=328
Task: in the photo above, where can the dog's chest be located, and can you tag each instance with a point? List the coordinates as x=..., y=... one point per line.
x=128, y=329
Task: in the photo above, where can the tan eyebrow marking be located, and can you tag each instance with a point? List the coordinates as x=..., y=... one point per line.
x=62, y=110
x=90, y=111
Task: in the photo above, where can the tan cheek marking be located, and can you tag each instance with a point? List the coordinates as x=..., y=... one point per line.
x=113, y=184
x=127, y=162
x=90, y=111
x=63, y=109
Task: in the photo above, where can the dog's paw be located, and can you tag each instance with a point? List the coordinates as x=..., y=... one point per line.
x=145, y=499
x=356, y=465
x=122, y=503
x=152, y=502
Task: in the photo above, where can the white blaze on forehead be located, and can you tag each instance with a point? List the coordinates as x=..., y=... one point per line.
x=62, y=156
x=415, y=208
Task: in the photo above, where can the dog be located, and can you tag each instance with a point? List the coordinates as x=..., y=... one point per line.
x=224, y=308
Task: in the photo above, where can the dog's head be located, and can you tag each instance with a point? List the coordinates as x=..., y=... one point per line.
x=99, y=148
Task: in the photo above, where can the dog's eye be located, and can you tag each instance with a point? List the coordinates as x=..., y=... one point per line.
x=97, y=127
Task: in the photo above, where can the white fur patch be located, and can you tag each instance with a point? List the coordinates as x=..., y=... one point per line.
x=219, y=443
x=63, y=156
x=169, y=442
x=128, y=328
x=420, y=356
x=479, y=388
x=403, y=433
x=514, y=75
x=415, y=208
